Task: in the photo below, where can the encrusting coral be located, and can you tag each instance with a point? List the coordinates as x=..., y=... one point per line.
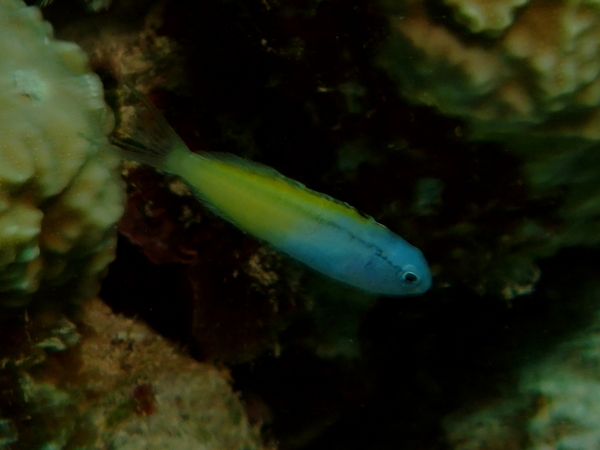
x=60, y=194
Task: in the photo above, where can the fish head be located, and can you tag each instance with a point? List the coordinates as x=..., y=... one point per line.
x=402, y=269
x=413, y=279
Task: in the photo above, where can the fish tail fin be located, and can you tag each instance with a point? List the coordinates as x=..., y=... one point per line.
x=143, y=134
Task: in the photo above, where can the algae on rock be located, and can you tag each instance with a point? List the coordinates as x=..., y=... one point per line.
x=118, y=385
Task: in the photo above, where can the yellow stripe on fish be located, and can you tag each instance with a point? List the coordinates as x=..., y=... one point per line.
x=319, y=231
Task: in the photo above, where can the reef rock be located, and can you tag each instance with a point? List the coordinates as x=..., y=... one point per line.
x=111, y=382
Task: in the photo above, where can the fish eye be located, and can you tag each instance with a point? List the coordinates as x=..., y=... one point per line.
x=410, y=277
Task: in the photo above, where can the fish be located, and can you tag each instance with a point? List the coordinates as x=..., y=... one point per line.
x=325, y=234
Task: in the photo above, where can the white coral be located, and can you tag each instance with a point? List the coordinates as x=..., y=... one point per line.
x=491, y=16
x=544, y=66
x=60, y=195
